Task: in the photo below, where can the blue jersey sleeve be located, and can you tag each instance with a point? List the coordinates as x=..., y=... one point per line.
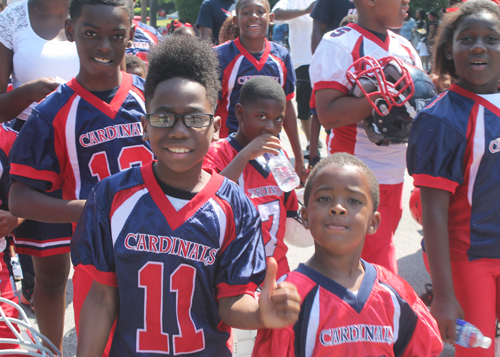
x=205, y=16
x=91, y=244
x=242, y=260
x=34, y=156
x=290, y=77
x=436, y=151
x=323, y=11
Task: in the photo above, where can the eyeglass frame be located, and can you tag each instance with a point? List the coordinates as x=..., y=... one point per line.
x=176, y=116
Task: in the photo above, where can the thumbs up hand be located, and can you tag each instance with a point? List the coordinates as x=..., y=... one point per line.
x=279, y=304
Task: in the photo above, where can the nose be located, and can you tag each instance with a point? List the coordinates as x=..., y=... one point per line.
x=104, y=44
x=179, y=130
x=337, y=209
x=254, y=14
x=478, y=47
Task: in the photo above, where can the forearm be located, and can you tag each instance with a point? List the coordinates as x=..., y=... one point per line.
x=14, y=102
x=240, y=312
x=314, y=136
x=336, y=110
x=235, y=168
x=435, y=224
x=97, y=316
x=27, y=202
x=319, y=29
x=206, y=33
x=283, y=15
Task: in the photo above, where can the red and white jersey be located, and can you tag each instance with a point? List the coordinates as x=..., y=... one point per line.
x=336, y=52
x=259, y=185
x=385, y=318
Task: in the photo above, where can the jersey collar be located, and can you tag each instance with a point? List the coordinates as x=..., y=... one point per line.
x=357, y=302
x=174, y=218
x=476, y=98
x=263, y=170
x=371, y=36
x=260, y=63
x=112, y=108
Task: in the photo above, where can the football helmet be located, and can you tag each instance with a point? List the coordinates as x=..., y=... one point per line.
x=395, y=90
x=30, y=340
x=416, y=205
x=295, y=233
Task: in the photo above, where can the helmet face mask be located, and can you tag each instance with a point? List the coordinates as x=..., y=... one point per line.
x=396, y=92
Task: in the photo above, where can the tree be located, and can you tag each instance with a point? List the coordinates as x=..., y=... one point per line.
x=188, y=10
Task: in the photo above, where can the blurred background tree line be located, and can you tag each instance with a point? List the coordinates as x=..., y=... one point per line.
x=187, y=10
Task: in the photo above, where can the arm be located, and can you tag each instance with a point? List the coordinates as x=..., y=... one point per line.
x=206, y=33
x=335, y=109
x=445, y=307
x=319, y=29
x=290, y=126
x=288, y=14
x=258, y=146
x=28, y=202
x=314, y=137
x=8, y=223
x=98, y=314
x=278, y=306
x=15, y=101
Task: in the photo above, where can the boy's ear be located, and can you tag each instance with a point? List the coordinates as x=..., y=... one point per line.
x=238, y=111
x=216, y=124
x=145, y=136
x=132, y=32
x=235, y=21
x=68, y=29
x=271, y=18
x=305, y=217
x=448, y=52
x=374, y=223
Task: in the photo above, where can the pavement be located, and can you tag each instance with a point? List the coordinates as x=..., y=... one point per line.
x=408, y=252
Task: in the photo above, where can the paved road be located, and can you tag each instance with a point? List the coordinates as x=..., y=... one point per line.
x=408, y=250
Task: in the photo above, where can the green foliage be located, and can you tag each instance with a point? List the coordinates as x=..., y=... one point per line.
x=427, y=5
x=188, y=10
x=272, y=3
x=137, y=11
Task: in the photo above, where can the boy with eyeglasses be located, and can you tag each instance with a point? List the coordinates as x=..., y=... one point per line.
x=176, y=252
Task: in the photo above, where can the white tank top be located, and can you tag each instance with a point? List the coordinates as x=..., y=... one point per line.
x=34, y=57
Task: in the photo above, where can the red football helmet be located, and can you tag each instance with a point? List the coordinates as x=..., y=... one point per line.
x=395, y=90
x=416, y=205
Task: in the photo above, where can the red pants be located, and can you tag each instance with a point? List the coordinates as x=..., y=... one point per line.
x=379, y=247
x=81, y=286
x=477, y=287
x=7, y=291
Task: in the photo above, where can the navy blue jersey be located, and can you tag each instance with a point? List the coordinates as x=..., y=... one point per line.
x=170, y=266
x=145, y=38
x=81, y=139
x=454, y=146
x=238, y=65
x=7, y=138
x=332, y=12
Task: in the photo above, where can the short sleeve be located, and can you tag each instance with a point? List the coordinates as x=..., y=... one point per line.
x=242, y=260
x=282, y=4
x=323, y=11
x=36, y=159
x=205, y=16
x=12, y=19
x=216, y=158
x=435, y=156
x=275, y=343
x=291, y=203
x=329, y=66
x=91, y=244
x=290, y=78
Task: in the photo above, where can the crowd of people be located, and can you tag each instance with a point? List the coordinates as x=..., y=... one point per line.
x=142, y=160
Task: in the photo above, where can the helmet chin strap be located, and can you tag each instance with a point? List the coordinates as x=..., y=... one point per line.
x=409, y=108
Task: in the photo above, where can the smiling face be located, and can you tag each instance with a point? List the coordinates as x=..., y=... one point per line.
x=476, y=53
x=180, y=150
x=101, y=34
x=265, y=116
x=339, y=212
x=253, y=18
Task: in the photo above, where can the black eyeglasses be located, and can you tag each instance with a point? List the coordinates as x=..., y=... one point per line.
x=167, y=120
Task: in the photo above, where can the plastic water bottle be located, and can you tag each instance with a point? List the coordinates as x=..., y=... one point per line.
x=283, y=172
x=469, y=335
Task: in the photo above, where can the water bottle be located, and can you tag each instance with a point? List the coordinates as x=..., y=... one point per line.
x=469, y=335
x=283, y=172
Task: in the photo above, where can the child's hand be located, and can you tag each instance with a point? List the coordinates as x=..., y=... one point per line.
x=446, y=311
x=262, y=144
x=7, y=223
x=40, y=88
x=279, y=305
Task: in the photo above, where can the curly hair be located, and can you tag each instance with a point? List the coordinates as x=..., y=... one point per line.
x=342, y=159
x=76, y=6
x=186, y=57
x=228, y=31
x=451, y=21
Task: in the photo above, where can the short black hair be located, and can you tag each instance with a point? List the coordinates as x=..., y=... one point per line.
x=186, y=57
x=433, y=13
x=261, y=87
x=239, y=2
x=451, y=21
x=132, y=61
x=76, y=6
x=342, y=159
x=184, y=31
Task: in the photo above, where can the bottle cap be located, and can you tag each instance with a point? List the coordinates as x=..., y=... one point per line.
x=486, y=342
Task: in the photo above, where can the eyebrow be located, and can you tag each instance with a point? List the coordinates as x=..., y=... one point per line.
x=191, y=108
x=347, y=189
x=96, y=27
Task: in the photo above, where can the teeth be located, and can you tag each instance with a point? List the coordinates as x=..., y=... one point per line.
x=180, y=151
x=102, y=60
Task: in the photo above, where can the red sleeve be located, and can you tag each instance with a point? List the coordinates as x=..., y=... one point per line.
x=216, y=157
x=106, y=278
x=292, y=203
x=275, y=343
x=434, y=182
x=331, y=85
